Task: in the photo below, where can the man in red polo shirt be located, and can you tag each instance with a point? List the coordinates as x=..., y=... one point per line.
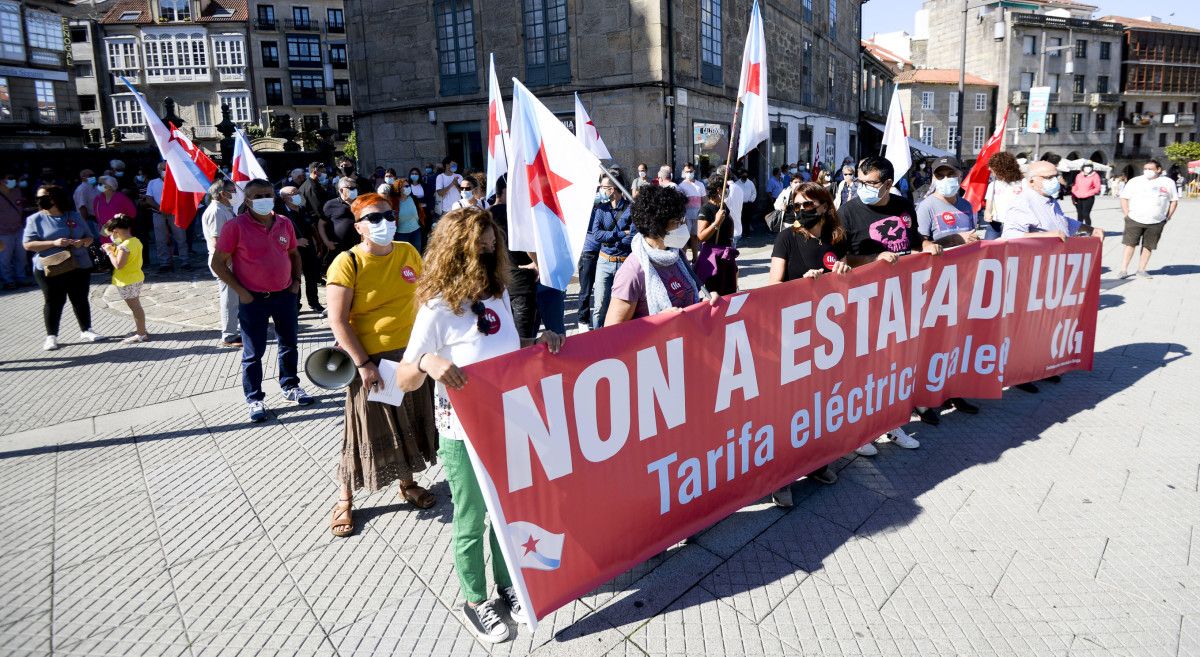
x=256, y=257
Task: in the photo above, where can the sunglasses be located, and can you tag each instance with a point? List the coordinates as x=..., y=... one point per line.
x=806, y=205
x=481, y=321
x=376, y=217
x=465, y=189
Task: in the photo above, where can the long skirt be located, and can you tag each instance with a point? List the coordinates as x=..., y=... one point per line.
x=382, y=443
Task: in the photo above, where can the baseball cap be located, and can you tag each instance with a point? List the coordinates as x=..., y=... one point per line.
x=946, y=162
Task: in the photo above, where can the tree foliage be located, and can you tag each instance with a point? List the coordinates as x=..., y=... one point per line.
x=351, y=147
x=1182, y=152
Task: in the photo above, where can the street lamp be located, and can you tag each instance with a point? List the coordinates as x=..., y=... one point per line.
x=1037, y=136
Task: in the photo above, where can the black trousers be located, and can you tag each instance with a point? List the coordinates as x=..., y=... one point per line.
x=56, y=290
x=310, y=266
x=587, y=278
x=1084, y=206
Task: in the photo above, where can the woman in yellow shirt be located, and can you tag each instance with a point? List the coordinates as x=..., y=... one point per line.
x=370, y=291
x=125, y=253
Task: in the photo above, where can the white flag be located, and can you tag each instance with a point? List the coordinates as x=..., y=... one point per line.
x=752, y=89
x=895, y=138
x=498, y=147
x=587, y=133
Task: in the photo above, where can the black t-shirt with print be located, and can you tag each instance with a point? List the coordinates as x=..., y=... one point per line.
x=803, y=253
x=871, y=229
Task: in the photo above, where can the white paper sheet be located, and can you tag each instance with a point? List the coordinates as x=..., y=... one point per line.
x=389, y=392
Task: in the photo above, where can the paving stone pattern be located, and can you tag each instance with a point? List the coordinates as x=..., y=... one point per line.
x=141, y=515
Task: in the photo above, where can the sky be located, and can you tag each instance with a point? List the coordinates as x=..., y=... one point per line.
x=883, y=15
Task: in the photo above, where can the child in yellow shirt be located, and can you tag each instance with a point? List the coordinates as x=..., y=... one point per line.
x=125, y=253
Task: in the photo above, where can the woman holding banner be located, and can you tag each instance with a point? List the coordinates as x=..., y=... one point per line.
x=370, y=289
x=656, y=278
x=811, y=244
x=464, y=315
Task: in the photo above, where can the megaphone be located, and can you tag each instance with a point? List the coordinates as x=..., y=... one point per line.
x=329, y=368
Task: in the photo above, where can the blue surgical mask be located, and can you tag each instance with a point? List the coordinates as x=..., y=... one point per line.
x=428, y=170
x=415, y=177
x=140, y=178
x=391, y=180
x=867, y=194
x=23, y=184
x=947, y=186
x=119, y=174
x=262, y=206
x=603, y=197
x=323, y=179
x=1051, y=187
x=453, y=168
x=10, y=183
x=468, y=195
x=382, y=232
x=352, y=194
x=91, y=180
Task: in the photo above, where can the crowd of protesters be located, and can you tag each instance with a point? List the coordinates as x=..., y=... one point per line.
x=417, y=271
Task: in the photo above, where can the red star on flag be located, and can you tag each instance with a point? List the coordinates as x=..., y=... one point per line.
x=493, y=129
x=544, y=184
x=530, y=545
x=754, y=79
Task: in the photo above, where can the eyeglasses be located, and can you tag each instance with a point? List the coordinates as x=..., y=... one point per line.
x=877, y=184
x=376, y=217
x=806, y=205
x=481, y=320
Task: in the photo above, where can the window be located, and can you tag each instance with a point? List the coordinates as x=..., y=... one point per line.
x=229, y=56
x=335, y=20
x=806, y=82
x=1102, y=84
x=311, y=122
x=87, y=103
x=981, y=102
x=270, y=53
x=122, y=56
x=126, y=112
x=1023, y=121
x=304, y=50
x=1101, y=122
x=978, y=137
x=204, y=113
x=175, y=10
x=1026, y=80
x=79, y=34
x=1105, y=50
x=175, y=56
x=808, y=11
x=5, y=101
x=710, y=41
x=84, y=70
x=266, y=17
x=130, y=15
x=301, y=18
x=1029, y=44
x=12, y=37
x=1054, y=46
x=951, y=136
x=308, y=89
x=953, y=105
x=927, y=100
x=456, y=46
x=45, y=30
x=1052, y=82
x=337, y=55
x=927, y=134
x=239, y=104
x=345, y=125
x=273, y=88
x=1081, y=48
x=43, y=91
x=341, y=92
x=1162, y=139
x=1052, y=121
x=1076, y=122
x=1079, y=80
x=547, y=52
x=833, y=19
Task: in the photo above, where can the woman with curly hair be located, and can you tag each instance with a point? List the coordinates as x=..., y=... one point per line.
x=464, y=316
x=1004, y=188
x=656, y=278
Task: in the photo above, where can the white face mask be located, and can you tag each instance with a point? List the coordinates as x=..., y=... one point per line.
x=688, y=175
x=262, y=206
x=677, y=238
x=1150, y=174
x=381, y=233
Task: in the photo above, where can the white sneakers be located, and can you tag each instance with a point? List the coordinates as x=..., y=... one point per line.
x=90, y=336
x=897, y=436
x=51, y=343
x=867, y=450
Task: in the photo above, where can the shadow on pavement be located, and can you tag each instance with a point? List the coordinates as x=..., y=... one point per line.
x=1176, y=270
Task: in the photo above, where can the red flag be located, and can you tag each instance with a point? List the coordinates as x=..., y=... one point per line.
x=977, y=180
x=183, y=204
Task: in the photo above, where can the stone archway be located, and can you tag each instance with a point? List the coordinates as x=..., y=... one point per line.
x=1098, y=157
x=1074, y=155
x=1052, y=158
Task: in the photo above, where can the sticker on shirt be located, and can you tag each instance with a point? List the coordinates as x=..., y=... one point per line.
x=283, y=241
x=892, y=233
x=408, y=274
x=950, y=219
x=492, y=320
x=829, y=260
x=679, y=291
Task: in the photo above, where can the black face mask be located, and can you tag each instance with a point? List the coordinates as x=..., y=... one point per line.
x=348, y=170
x=810, y=218
x=488, y=261
x=45, y=202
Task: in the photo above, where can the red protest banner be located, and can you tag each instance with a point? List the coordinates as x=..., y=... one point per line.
x=637, y=436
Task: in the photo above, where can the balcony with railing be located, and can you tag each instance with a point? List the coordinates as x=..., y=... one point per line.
x=90, y=119
x=34, y=116
x=178, y=75
x=231, y=73
x=1185, y=120
x=1062, y=23
x=336, y=28
x=266, y=25
x=131, y=132
x=205, y=132
x=133, y=75
x=311, y=25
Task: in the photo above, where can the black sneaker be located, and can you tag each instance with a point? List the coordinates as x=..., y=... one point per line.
x=516, y=610
x=1053, y=379
x=963, y=405
x=1027, y=387
x=930, y=416
x=485, y=623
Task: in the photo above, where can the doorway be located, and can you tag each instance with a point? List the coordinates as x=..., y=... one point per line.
x=464, y=144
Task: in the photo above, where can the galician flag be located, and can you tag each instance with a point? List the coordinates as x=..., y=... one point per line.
x=976, y=181
x=551, y=190
x=586, y=131
x=189, y=169
x=497, y=145
x=895, y=138
x=535, y=547
x=752, y=90
x=245, y=166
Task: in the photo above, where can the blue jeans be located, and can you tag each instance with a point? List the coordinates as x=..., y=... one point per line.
x=279, y=307
x=12, y=259
x=605, y=271
x=552, y=306
x=413, y=238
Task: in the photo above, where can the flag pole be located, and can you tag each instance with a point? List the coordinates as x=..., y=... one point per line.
x=616, y=182
x=737, y=111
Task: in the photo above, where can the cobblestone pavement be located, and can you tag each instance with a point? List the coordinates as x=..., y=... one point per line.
x=141, y=515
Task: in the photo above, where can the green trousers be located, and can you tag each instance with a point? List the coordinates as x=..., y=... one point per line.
x=469, y=515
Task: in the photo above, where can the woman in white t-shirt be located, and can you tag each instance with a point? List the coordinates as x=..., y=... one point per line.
x=464, y=316
x=1004, y=188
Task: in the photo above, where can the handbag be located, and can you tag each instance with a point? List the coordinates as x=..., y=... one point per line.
x=59, y=263
x=100, y=262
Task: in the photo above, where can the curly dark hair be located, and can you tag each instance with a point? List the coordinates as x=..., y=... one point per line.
x=1005, y=166
x=655, y=207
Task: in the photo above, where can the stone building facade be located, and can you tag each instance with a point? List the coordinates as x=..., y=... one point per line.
x=1033, y=43
x=929, y=98
x=877, y=82
x=1160, y=89
x=658, y=78
x=38, y=108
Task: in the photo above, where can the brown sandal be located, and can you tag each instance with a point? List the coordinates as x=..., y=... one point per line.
x=342, y=528
x=417, y=496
